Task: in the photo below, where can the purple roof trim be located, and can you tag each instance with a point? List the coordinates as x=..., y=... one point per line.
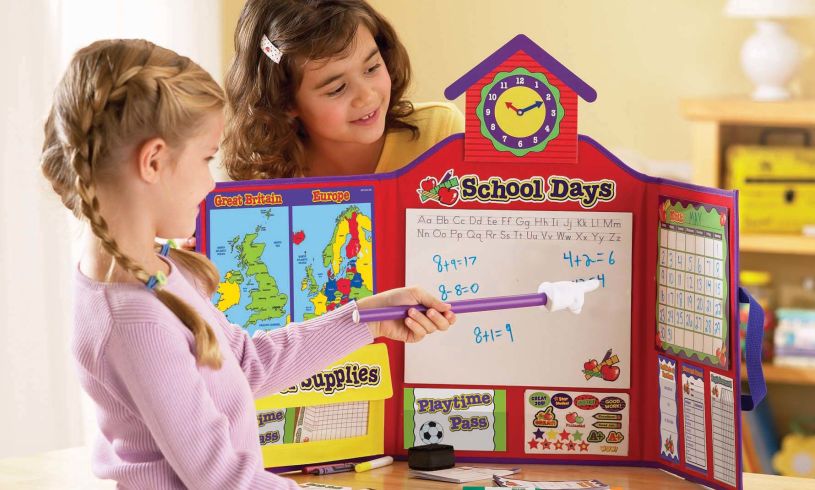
x=522, y=43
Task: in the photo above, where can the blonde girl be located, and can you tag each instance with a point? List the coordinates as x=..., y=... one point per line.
x=128, y=141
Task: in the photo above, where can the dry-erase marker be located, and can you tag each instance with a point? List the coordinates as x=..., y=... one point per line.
x=374, y=463
x=328, y=469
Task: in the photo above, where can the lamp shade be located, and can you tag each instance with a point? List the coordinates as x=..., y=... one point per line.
x=770, y=9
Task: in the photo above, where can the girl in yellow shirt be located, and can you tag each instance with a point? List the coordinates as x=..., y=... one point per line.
x=317, y=88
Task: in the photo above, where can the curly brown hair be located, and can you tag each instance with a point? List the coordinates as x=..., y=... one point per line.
x=117, y=93
x=262, y=139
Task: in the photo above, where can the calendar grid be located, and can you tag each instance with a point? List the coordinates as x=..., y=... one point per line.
x=692, y=295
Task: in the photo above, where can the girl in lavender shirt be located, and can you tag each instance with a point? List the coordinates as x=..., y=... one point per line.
x=128, y=143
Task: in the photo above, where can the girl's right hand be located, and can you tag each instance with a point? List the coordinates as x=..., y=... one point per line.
x=438, y=317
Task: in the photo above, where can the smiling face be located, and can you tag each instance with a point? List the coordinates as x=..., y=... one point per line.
x=345, y=99
x=186, y=182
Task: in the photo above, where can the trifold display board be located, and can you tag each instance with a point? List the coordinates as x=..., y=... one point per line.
x=648, y=372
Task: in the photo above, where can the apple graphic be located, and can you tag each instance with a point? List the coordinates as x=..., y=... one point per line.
x=448, y=196
x=428, y=184
x=571, y=417
x=590, y=365
x=610, y=373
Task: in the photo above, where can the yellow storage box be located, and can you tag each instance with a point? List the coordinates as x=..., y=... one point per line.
x=776, y=187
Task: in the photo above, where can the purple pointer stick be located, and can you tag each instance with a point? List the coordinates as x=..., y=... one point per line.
x=464, y=306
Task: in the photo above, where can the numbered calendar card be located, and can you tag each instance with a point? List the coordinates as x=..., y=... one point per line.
x=646, y=374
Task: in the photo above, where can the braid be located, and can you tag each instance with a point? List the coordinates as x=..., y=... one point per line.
x=90, y=209
x=117, y=93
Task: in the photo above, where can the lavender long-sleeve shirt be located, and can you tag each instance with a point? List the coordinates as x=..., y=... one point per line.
x=166, y=422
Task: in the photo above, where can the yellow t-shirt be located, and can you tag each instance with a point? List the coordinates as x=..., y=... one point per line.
x=435, y=120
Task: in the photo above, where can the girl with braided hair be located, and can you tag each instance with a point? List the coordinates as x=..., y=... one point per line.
x=128, y=142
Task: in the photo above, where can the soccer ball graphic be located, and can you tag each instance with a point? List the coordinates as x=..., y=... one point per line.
x=430, y=432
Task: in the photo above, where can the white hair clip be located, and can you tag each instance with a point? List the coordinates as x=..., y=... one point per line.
x=270, y=49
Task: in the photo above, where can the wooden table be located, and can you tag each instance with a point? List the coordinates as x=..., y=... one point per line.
x=70, y=468
x=395, y=477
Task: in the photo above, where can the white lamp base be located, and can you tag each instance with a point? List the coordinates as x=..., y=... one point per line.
x=770, y=58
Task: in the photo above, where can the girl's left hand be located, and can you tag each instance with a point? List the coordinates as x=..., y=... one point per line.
x=413, y=328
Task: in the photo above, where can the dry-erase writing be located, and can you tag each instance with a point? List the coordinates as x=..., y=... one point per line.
x=454, y=264
x=488, y=335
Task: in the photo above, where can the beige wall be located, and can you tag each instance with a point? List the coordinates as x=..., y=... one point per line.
x=642, y=57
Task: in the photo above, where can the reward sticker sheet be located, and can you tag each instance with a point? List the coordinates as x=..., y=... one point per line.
x=574, y=422
x=472, y=419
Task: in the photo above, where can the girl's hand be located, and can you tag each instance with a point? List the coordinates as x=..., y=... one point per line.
x=417, y=324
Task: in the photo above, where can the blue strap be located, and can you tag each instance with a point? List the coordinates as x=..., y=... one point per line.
x=165, y=249
x=752, y=349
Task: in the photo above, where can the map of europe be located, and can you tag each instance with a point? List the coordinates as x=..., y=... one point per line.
x=262, y=288
x=333, y=257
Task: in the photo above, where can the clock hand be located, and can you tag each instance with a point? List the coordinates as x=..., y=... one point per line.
x=513, y=108
x=533, y=106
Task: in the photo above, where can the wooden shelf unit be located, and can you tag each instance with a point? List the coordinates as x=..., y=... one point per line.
x=777, y=244
x=717, y=123
x=790, y=375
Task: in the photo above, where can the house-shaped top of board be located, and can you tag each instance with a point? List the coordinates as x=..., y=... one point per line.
x=521, y=102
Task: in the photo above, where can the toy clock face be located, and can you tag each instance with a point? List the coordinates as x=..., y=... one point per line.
x=520, y=111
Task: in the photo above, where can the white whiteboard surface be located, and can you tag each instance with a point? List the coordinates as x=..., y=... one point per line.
x=500, y=253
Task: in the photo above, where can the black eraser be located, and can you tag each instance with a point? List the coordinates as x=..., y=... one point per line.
x=431, y=457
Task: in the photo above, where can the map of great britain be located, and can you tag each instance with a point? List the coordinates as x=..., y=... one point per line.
x=332, y=261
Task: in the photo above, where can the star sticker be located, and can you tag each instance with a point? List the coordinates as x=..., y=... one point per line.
x=558, y=445
x=584, y=447
x=571, y=445
x=546, y=444
x=533, y=444
x=538, y=434
x=578, y=436
x=564, y=436
x=552, y=434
